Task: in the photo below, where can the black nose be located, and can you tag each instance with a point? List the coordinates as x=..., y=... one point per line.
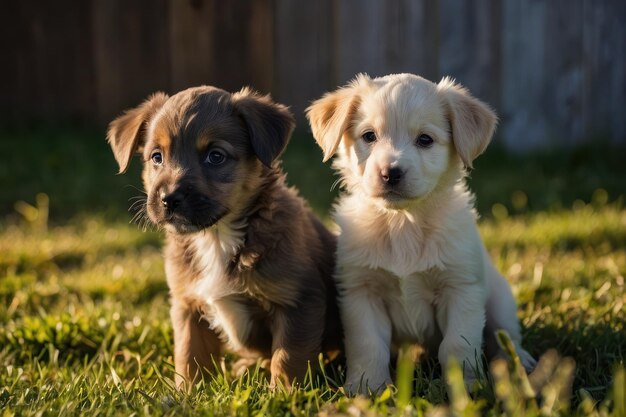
x=391, y=176
x=172, y=200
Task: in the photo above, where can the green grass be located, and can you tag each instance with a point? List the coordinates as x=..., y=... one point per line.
x=84, y=309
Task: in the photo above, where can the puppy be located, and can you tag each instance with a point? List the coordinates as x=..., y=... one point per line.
x=411, y=265
x=248, y=265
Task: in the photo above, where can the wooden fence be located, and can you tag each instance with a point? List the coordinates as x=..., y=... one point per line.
x=555, y=70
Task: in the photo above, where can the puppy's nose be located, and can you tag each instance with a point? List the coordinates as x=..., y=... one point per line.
x=172, y=200
x=391, y=176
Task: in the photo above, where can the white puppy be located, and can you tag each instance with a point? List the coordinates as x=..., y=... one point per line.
x=411, y=265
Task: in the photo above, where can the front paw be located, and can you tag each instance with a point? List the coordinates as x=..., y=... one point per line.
x=470, y=381
x=364, y=386
x=528, y=362
x=526, y=359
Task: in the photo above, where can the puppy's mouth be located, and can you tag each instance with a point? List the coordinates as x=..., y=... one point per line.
x=395, y=199
x=394, y=195
x=180, y=224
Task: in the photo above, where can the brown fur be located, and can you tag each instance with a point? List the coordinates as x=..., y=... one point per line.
x=248, y=265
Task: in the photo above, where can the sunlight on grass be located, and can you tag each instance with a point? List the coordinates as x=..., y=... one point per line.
x=86, y=312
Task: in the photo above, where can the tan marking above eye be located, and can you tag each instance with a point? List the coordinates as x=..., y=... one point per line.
x=205, y=140
x=162, y=137
x=201, y=144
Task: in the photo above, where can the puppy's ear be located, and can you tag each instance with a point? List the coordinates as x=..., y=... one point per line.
x=330, y=115
x=270, y=124
x=472, y=121
x=127, y=134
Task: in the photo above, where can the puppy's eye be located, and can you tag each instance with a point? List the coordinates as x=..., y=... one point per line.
x=369, y=137
x=157, y=158
x=215, y=157
x=424, y=141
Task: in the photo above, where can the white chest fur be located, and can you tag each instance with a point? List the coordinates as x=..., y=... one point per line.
x=400, y=241
x=215, y=290
x=214, y=250
x=417, y=261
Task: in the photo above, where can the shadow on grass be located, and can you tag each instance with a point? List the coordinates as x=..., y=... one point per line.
x=596, y=348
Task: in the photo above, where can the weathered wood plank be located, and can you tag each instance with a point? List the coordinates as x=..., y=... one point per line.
x=231, y=44
x=303, y=52
x=261, y=50
x=523, y=124
x=360, y=39
x=604, y=68
x=48, y=70
x=470, y=45
x=191, y=43
x=409, y=28
x=561, y=98
x=132, y=52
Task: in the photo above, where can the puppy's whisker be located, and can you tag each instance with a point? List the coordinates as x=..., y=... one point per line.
x=141, y=216
x=140, y=212
x=137, y=205
x=137, y=200
x=337, y=182
x=145, y=223
x=136, y=189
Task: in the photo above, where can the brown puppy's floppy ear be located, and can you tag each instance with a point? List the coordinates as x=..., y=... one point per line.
x=472, y=121
x=270, y=124
x=127, y=135
x=330, y=115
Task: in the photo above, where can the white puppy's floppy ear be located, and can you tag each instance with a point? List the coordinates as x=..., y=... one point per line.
x=127, y=133
x=472, y=121
x=330, y=115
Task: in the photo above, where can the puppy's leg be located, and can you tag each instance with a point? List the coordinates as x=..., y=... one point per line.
x=367, y=335
x=502, y=314
x=234, y=320
x=196, y=346
x=297, y=339
x=461, y=318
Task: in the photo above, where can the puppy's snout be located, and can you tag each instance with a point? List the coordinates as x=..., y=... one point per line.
x=391, y=176
x=172, y=200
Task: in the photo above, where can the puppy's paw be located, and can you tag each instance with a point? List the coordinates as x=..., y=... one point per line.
x=280, y=381
x=365, y=387
x=528, y=362
x=470, y=380
x=243, y=365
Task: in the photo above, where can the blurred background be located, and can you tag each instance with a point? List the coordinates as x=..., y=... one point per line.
x=78, y=279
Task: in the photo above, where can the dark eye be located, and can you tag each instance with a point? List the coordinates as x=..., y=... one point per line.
x=424, y=141
x=157, y=158
x=369, y=137
x=215, y=157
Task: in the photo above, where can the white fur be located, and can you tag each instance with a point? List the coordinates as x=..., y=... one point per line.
x=223, y=311
x=412, y=269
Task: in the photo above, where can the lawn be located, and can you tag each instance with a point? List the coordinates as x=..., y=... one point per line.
x=84, y=309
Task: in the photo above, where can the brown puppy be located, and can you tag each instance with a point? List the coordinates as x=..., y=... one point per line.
x=248, y=265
